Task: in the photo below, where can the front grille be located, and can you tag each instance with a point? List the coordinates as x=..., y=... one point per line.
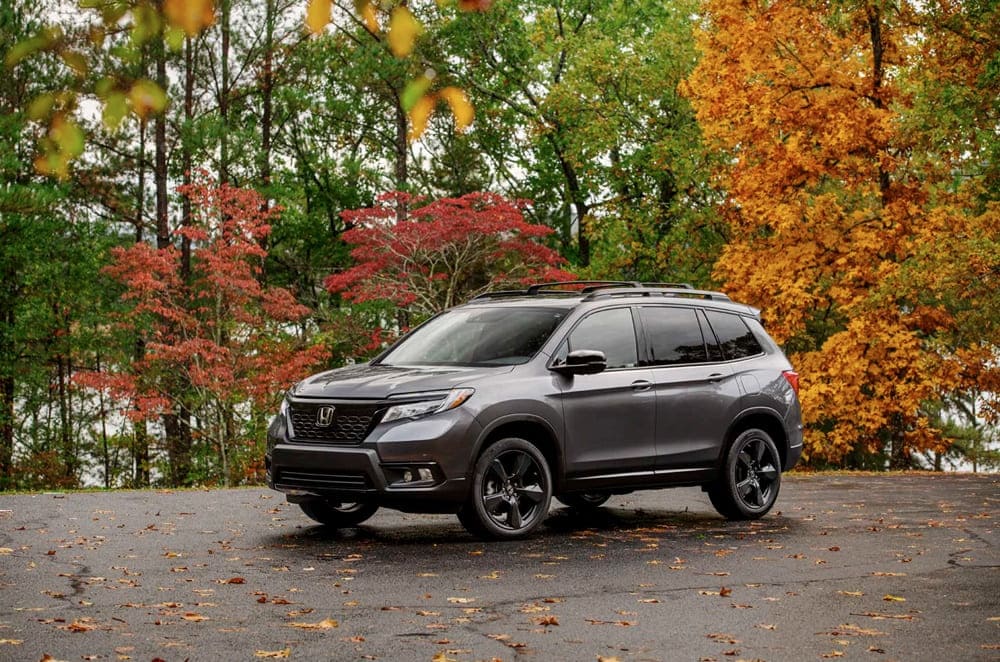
x=322, y=481
x=349, y=425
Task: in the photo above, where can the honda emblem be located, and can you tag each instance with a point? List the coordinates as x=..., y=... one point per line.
x=324, y=417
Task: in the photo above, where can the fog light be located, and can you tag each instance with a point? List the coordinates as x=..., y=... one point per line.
x=407, y=476
x=425, y=473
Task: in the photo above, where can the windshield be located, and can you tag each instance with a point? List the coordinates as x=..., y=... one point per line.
x=477, y=337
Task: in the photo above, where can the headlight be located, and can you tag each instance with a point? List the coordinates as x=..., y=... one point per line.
x=426, y=404
x=284, y=406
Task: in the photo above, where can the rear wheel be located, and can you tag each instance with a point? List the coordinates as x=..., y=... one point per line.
x=511, y=491
x=338, y=513
x=584, y=500
x=751, y=477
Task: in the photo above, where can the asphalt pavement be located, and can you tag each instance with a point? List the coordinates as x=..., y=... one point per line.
x=862, y=567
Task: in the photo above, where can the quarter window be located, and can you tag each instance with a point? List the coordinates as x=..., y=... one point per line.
x=735, y=337
x=673, y=335
x=609, y=331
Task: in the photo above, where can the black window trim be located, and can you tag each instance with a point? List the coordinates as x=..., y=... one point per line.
x=646, y=360
x=640, y=352
x=762, y=352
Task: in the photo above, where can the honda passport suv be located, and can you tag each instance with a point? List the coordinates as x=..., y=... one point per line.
x=573, y=391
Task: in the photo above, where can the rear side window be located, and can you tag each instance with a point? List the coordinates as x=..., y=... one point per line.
x=609, y=331
x=735, y=338
x=673, y=335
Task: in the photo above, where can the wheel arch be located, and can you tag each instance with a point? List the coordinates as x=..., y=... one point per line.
x=764, y=419
x=533, y=429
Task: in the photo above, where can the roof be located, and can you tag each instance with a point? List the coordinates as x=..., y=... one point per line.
x=568, y=294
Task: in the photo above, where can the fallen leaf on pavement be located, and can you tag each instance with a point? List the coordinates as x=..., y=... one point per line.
x=851, y=630
x=879, y=616
x=80, y=625
x=285, y=652
x=325, y=624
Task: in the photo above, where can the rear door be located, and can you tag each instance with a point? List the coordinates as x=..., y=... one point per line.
x=609, y=417
x=697, y=394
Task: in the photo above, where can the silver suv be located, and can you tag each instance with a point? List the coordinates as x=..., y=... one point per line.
x=569, y=390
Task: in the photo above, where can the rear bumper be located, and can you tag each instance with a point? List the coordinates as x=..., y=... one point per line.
x=793, y=428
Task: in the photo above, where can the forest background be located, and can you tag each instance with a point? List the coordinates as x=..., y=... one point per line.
x=202, y=202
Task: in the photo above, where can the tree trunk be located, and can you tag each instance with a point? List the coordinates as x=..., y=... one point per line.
x=874, y=16
x=401, y=148
x=266, y=120
x=160, y=157
x=6, y=408
x=577, y=203
x=140, y=445
x=224, y=95
x=267, y=93
x=66, y=450
x=103, y=413
x=186, y=159
x=178, y=437
x=177, y=453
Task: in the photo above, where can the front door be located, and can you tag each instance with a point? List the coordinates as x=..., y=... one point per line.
x=610, y=417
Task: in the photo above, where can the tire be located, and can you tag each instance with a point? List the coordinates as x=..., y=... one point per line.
x=584, y=500
x=338, y=514
x=750, y=479
x=511, y=491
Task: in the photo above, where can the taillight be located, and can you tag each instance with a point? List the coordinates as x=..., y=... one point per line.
x=793, y=379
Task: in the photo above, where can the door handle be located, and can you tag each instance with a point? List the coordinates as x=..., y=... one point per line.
x=715, y=377
x=641, y=385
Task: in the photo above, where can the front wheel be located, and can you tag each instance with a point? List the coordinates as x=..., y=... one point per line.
x=750, y=479
x=511, y=491
x=338, y=513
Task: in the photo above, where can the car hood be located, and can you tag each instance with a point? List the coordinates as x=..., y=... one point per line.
x=368, y=381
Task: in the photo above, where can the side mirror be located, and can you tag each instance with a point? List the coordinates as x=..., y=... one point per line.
x=582, y=362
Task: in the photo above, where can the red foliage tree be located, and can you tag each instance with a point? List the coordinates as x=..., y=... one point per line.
x=445, y=252
x=219, y=346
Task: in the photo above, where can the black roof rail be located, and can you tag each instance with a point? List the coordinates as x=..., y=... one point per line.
x=591, y=289
x=676, y=286
x=658, y=291
x=589, y=286
x=499, y=294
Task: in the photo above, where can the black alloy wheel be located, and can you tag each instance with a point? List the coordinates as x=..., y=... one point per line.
x=511, y=491
x=750, y=479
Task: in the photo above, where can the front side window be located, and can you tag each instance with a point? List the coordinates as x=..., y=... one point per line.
x=477, y=337
x=673, y=335
x=735, y=337
x=609, y=331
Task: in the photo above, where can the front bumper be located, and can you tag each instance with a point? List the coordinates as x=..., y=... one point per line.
x=434, y=452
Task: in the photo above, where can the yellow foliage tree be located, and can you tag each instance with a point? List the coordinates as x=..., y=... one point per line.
x=846, y=226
